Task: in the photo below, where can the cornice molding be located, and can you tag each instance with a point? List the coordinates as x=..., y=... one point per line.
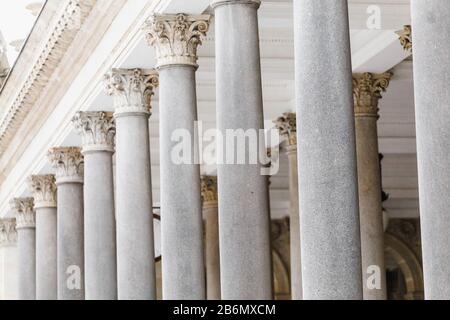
x=65, y=30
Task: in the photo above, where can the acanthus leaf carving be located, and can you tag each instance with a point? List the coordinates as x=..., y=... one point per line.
x=287, y=126
x=97, y=130
x=68, y=163
x=44, y=190
x=209, y=190
x=176, y=37
x=8, y=232
x=23, y=209
x=367, y=89
x=132, y=89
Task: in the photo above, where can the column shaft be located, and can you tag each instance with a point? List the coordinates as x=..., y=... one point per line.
x=26, y=244
x=97, y=130
x=132, y=89
x=371, y=218
x=43, y=188
x=8, y=259
x=26, y=239
x=212, y=253
x=287, y=125
x=68, y=163
x=245, y=253
x=181, y=218
x=46, y=252
x=328, y=201
x=176, y=38
x=431, y=48
x=296, y=266
x=135, y=253
x=70, y=242
x=367, y=89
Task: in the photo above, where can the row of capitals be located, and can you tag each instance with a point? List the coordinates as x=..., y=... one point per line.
x=367, y=90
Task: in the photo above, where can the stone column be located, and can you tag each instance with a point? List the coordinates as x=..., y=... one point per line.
x=431, y=49
x=245, y=252
x=68, y=163
x=43, y=188
x=328, y=184
x=367, y=88
x=132, y=91
x=97, y=130
x=23, y=209
x=8, y=259
x=288, y=129
x=212, y=256
x=175, y=38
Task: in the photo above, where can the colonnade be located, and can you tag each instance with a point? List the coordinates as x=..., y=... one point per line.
x=94, y=237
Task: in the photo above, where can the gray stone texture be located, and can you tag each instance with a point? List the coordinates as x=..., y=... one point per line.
x=431, y=48
x=329, y=230
x=70, y=244
x=296, y=265
x=46, y=253
x=26, y=245
x=135, y=252
x=371, y=218
x=245, y=254
x=181, y=212
x=100, y=227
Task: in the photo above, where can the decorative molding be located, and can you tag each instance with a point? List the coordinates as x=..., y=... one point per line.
x=69, y=164
x=405, y=37
x=287, y=125
x=60, y=39
x=44, y=190
x=8, y=232
x=132, y=89
x=367, y=89
x=209, y=190
x=97, y=130
x=176, y=37
x=23, y=209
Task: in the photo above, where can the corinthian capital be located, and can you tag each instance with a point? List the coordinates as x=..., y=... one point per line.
x=23, y=209
x=405, y=38
x=8, y=232
x=44, y=190
x=176, y=37
x=68, y=163
x=209, y=190
x=97, y=130
x=367, y=89
x=287, y=125
x=132, y=89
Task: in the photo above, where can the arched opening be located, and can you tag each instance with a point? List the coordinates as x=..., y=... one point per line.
x=409, y=285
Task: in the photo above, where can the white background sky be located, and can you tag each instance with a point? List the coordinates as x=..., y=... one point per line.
x=15, y=23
